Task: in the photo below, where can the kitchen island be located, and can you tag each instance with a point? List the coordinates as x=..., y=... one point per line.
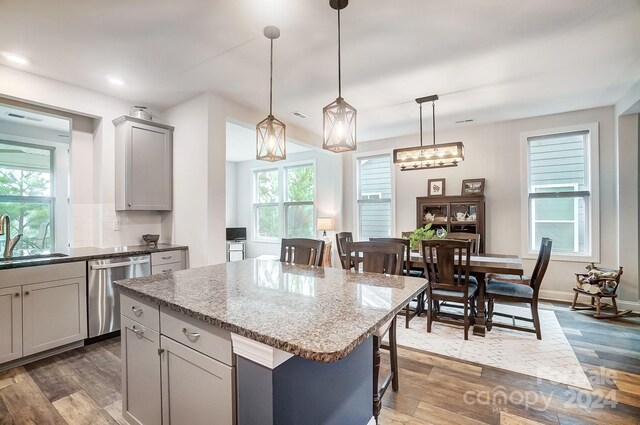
x=255, y=342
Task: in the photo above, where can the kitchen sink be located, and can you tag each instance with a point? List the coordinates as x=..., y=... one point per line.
x=35, y=257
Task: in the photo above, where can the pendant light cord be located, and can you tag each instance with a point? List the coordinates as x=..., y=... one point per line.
x=420, y=124
x=433, y=111
x=271, y=82
x=339, y=64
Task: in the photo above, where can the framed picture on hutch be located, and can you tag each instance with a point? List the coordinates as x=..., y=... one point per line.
x=472, y=187
x=435, y=187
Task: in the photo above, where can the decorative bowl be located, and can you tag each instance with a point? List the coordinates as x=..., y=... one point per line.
x=151, y=239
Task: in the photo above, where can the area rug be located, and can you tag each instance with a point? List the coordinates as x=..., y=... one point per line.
x=552, y=358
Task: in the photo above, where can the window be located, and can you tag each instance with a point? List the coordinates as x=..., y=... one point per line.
x=374, y=196
x=561, y=178
x=27, y=194
x=284, y=202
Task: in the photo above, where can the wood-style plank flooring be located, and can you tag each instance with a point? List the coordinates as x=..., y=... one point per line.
x=83, y=386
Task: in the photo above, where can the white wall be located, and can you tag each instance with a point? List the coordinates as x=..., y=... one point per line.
x=492, y=151
x=231, y=190
x=93, y=208
x=328, y=194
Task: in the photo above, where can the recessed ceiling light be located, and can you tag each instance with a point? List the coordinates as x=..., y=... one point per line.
x=115, y=81
x=12, y=57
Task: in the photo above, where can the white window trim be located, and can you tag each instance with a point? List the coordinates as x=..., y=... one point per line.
x=592, y=207
x=282, y=203
x=356, y=186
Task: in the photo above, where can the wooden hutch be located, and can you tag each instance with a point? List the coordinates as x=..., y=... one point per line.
x=453, y=213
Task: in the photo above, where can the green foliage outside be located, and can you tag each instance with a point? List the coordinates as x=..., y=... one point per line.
x=29, y=218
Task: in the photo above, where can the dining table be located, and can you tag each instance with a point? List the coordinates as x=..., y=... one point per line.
x=479, y=266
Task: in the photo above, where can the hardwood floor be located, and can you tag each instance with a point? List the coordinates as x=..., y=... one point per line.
x=83, y=386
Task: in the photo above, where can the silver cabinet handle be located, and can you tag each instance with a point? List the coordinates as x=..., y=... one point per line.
x=122, y=264
x=138, y=332
x=136, y=311
x=190, y=335
x=166, y=271
x=166, y=258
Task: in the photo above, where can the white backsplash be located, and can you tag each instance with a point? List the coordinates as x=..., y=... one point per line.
x=101, y=226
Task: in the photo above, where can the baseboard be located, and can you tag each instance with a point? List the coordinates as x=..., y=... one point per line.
x=39, y=356
x=549, y=295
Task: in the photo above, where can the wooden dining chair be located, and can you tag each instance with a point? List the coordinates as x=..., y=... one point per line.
x=342, y=239
x=302, y=251
x=386, y=258
x=516, y=291
x=410, y=311
x=447, y=266
x=473, y=237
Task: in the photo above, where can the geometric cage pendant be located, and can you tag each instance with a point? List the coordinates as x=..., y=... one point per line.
x=339, y=126
x=271, y=140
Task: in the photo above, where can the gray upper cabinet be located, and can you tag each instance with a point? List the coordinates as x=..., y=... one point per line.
x=144, y=151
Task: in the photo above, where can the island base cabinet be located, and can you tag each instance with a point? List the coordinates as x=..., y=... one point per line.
x=141, y=401
x=54, y=314
x=196, y=389
x=10, y=324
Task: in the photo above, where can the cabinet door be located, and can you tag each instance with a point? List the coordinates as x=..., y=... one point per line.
x=196, y=389
x=54, y=314
x=141, y=402
x=10, y=324
x=149, y=168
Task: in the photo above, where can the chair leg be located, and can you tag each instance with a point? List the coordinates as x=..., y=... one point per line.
x=575, y=300
x=597, y=306
x=489, y=322
x=466, y=320
x=377, y=403
x=393, y=348
x=536, y=319
x=615, y=306
x=429, y=314
x=407, y=315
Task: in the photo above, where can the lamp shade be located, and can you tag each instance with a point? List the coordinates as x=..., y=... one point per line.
x=271, y=139
x=325, y=223
x=339, y=126
x=433, y=156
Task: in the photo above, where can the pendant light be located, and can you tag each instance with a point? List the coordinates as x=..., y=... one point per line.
x=271, y=132
x=434, y=156
x=339, y=118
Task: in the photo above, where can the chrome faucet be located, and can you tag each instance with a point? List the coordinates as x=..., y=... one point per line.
x=5, y=229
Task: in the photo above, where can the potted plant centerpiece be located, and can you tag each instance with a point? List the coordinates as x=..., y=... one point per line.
x=425, y=233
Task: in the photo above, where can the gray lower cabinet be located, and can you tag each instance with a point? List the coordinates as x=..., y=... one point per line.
x=10, y=323
x=175, y=369
x=42, y=308
x=141, y=401
x=53, y=314
x=195, y=388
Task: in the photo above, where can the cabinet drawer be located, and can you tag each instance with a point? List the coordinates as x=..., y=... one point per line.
x=203, y=337
x=166, y=257
x=142, y=311
x=166, y=268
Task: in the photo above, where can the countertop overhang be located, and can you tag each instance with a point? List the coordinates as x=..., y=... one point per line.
x=320, y=314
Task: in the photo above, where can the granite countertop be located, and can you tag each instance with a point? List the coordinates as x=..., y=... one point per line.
x=84, y=254
x=320, y=314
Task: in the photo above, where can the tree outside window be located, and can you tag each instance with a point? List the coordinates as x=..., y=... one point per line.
x=26, y=194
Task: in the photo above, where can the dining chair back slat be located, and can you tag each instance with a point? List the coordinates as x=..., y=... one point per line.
x=473, y=237
x=342, y=239
x=302, y=251
x=407, y=250
x=447, y=263
x=375, y=257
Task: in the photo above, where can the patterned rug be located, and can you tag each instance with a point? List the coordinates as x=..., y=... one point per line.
x=552, y=358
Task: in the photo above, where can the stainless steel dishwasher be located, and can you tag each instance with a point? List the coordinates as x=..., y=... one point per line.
x=104, y=302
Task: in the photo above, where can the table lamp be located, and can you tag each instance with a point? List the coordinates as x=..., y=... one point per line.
x=324, y=224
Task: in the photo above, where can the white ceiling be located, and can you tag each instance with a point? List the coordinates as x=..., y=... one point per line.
x=241, y=144
x=489, y=60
